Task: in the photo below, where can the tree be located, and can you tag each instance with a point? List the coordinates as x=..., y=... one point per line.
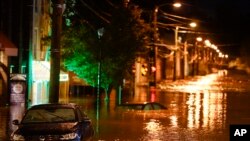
x=125, y=36
x=80, y=53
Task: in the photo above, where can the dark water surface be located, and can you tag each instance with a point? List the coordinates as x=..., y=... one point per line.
x=199, y=109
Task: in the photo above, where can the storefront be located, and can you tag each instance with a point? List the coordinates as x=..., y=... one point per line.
x=40, y=83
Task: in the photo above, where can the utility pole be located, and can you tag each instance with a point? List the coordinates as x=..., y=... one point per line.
x=175, y=52
x=58, y=8
x=153, y=51
x=185, y=60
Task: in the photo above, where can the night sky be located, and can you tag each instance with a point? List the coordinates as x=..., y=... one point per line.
x=231, y=19
x=228, y=20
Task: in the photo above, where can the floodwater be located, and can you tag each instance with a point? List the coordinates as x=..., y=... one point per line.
x=199, y=109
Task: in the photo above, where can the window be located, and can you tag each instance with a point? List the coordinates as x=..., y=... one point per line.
x=157, y=107
x=49, y=115
x=79, y=114
x=148, y=107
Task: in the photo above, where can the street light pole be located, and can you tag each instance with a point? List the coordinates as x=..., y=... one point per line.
x=100, y=34
x=185, y=60
x=153, y=50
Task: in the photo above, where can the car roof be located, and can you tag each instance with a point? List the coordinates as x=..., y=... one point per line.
x=138, y=103
x=55, y=105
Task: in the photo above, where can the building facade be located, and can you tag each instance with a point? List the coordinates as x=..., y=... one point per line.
x=27, y=26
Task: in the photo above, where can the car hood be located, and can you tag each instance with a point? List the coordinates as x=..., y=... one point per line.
x=47, y=128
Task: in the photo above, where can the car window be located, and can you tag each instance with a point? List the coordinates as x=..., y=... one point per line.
x=133, y=107
x=80, y=114
x=156, y=106
x=148, y=107
x=49, y=115
x=138, y=107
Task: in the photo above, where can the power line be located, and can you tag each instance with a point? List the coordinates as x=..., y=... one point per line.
x=112, y=4
x=176, y=16
x=95, y=12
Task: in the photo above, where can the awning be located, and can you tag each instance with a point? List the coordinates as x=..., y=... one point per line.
x=7, y=46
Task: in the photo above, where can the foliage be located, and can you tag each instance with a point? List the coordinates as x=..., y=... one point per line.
x=77, y=55
x=125, y=37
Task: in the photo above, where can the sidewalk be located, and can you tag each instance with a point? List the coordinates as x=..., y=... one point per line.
x=7, y=114
x=4, y=114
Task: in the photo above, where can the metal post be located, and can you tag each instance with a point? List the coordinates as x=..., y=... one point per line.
x=193, y=58
x=198, y=59
x=155, y=47
x=100, y=33
x=153, y=51
x=185, y=60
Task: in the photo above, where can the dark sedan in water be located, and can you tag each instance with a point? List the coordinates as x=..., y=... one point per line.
x=142, y=106
x=48, y=122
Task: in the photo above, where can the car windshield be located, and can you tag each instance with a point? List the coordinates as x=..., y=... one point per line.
x=49, y=115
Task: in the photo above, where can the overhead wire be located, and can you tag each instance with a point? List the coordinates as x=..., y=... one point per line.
x=175, y=20
x=176, y=16
x=94, y=11
x=112, y=4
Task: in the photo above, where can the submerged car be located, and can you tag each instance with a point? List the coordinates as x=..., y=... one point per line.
x=142, y=106
x=49, y=122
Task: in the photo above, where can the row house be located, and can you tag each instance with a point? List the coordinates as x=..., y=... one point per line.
x=27, y=23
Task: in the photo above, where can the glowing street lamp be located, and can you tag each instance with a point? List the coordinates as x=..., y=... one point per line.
x=177, y=26
x=193, y=24
x=207, y=43
x=199, y=39
x=226, y=56
x=177, y=4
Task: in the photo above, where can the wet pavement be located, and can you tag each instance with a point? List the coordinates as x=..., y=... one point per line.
x=200, y=108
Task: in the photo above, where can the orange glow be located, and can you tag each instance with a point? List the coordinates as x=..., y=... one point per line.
x=154, y=129
x=193, y=24
x=177, y=4
x=153, y=68
x=199, y=39
x=207, y=43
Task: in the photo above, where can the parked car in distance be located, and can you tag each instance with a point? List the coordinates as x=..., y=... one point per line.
x=142, y=106
x=47, y=122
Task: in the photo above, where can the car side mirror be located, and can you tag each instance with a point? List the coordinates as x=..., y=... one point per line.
x=15, y=122
x=86, y=120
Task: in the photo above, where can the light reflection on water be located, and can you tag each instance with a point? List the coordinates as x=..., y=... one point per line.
x=198, y=115
x=201, y=111
x=154, y=130
x=197, y=110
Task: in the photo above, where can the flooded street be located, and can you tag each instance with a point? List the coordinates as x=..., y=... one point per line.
x=200, y=108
